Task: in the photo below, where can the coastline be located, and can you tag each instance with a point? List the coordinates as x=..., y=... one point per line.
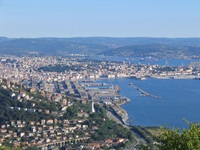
x=164, y=86
x=125, y=119
x=118, y=114
x=122, y=103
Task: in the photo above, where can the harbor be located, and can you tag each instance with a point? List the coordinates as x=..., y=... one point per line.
x=144, y=93
x=147, y=111
x=107, y=95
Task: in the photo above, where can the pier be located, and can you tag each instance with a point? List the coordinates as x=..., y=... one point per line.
x=93, y=84
x=144, y=92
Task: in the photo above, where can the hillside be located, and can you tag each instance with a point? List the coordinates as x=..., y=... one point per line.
x=158, y=47
x=50, y=46
x=154, y=50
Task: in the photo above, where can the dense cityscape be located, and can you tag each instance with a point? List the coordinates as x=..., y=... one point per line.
x=99, y=75
x=64, y=93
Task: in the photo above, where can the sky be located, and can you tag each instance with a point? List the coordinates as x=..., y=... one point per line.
x=99, y=18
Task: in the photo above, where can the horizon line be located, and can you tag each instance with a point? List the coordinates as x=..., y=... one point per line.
x=99, y=37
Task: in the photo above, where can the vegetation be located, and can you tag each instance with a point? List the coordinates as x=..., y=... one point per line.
x=110, y=129
x=166, y=68
x=5, y=148
x=7, y=113
x=13, y=108
x=71, y=112
x=105, y=46
x=155, y=131
x=144, y=133
x=153, y=50
x=188, y=139
x=107, y=128
x=176, y=139
x=59, y=68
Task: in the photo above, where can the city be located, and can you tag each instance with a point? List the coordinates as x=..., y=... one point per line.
x=99, y=75
x=60, y=81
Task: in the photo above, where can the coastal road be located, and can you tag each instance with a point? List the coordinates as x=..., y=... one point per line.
x=138, y=139
x=115, y=118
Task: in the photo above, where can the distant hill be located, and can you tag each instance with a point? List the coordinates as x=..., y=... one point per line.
x=154, y=50
x=3, y=39
x=100, y=45
x=50, y=46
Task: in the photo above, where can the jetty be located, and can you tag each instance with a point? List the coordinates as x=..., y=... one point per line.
x=144, y=92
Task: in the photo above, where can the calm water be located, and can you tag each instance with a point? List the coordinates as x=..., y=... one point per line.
x=180, y=99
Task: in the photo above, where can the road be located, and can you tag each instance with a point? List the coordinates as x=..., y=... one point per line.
x=138, y=139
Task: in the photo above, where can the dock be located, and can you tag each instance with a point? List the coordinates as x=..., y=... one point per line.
x=93, y=84
x=144, y=92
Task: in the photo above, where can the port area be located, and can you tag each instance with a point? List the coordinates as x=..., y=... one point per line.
x=144, y=93
x=106, y=95
x=114, y=108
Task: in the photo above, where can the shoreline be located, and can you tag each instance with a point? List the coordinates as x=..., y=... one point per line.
x=186, y=77
x=131, y=119
x=120, y=114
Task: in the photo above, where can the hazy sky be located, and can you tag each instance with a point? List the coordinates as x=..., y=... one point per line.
x=113, y=18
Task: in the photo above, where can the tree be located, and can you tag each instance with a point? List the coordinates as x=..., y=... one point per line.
x=33, y=148
x=186, y=140
x=4, y=148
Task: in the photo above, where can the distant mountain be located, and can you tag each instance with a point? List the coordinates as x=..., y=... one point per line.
x=154, y=50
x=50, y=46
x=100, y=45
x=3, y=39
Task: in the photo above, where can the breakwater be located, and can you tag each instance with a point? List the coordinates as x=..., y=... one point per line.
x=177, y=97
x=144, y=92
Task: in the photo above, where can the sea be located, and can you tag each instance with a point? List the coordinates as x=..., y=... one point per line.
x=179, y=103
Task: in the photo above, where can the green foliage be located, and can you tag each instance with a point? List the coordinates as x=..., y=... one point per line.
x=9, y=148
x=100, y=111
x=33, y=148
x=187, y=140
x=5, y=148
x=166, y=68
x=37, y=95
x=7, y=114
x=59, y=68
x=110, y=129
x=71, y=112
x=146, y=147
x=7, y=144
x=149, y=138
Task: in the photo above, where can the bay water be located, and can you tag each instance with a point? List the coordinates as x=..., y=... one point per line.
x=180, y=100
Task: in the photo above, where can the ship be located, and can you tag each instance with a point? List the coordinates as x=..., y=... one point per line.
x=140, y=78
